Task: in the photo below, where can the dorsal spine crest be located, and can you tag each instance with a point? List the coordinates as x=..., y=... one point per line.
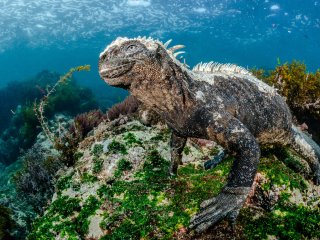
x=214, y=67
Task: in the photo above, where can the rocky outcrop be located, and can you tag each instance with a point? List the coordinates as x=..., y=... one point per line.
x=120, y=188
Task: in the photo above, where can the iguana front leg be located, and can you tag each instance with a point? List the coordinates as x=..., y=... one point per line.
x=177, y=144
x=235, y=137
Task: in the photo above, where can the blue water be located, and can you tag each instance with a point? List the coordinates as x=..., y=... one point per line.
x=59, y=34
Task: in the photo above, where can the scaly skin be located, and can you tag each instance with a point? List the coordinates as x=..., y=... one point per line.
x=223, y=103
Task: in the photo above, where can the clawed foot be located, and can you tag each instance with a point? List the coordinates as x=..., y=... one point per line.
x=226, y=205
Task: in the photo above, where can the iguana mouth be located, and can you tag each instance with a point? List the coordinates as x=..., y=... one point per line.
x=115, y=70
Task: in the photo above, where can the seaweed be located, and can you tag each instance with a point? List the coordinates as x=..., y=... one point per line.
x=34, y=181
x=86, y=122
x=18, y=119
x=126, y=107
x=301, y=90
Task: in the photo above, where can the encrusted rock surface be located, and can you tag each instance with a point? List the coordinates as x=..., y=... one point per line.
x=114, y=191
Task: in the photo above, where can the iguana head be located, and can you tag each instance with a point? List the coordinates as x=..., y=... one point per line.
x=126, y=60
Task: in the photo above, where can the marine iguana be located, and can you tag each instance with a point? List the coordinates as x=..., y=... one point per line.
x=220, y=102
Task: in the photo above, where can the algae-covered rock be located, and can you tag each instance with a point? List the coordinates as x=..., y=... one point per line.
x=120, y=188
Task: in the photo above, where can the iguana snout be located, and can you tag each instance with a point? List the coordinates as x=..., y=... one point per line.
x=114, y=68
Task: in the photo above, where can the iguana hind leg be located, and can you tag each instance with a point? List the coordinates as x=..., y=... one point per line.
x=177, y=144
x=235, y=137
x=304, y=145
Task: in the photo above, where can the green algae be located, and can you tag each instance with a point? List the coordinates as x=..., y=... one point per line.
x=186, y=150
x=97, y=164
x=56, y=219
x=88, y=209
x=88, y=178
x=117, y=147
x=285, y=221
x=131, y=139
x=155, y=205
x=97, y=150
x=279, y=172
x=61, y=218
x=78, y=155
x=64, y=183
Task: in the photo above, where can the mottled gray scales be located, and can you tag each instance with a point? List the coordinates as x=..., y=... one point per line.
x=220, y=102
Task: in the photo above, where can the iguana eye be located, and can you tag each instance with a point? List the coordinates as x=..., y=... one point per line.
x=132, y=48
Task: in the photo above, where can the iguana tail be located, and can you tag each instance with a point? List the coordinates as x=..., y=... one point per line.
x=309, y=149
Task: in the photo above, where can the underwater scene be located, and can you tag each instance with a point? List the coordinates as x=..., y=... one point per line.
x=159, y=119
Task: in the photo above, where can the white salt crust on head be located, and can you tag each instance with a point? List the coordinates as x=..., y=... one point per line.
x=150, y=43
x=204, y=69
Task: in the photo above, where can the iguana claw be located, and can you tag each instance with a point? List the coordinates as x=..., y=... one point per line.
x=226, y=205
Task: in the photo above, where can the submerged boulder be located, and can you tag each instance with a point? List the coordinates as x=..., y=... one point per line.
x=120, y=188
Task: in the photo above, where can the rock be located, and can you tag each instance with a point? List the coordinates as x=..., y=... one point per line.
x=122, y=189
